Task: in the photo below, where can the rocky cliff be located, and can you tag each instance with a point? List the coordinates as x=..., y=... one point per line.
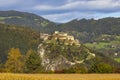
x=61, y=51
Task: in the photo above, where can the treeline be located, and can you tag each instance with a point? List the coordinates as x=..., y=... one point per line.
x=18, y=63
x=31, y=63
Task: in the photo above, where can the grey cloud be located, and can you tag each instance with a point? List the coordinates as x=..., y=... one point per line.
x=84, y=5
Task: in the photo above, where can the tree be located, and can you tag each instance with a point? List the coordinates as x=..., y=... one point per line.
x=14, y=61
x=33, y=62
x=100, y=67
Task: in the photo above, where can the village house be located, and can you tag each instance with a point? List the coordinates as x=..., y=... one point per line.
x=44, y=36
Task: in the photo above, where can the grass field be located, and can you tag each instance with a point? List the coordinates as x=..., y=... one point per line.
x=5, y=76
x=117, y=59
x=101, y=45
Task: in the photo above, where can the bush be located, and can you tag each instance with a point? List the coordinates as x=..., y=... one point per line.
x=101, y=68
x=78, y=68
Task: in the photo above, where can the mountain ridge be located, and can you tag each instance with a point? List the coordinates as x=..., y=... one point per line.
x=25, y=19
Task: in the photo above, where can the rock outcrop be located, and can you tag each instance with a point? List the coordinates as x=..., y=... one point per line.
x=61, y=51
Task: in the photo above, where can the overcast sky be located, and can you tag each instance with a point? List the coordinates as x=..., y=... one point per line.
x=65, y=10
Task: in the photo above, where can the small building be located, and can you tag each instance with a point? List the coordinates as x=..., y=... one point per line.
x=70, y=37
x=62, y=37
x=56, y=32
x=44, y=36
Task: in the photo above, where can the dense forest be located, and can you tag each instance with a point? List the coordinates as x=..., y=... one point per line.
x=16, y=37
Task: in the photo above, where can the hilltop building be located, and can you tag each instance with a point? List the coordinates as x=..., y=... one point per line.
x=64, y=37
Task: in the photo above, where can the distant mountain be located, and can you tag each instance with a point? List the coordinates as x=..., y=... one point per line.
x=81, y=29
x=25, y=19
x=88, y=30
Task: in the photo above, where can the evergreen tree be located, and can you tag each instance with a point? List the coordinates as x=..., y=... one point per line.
x=101, y=67
x=33, y=62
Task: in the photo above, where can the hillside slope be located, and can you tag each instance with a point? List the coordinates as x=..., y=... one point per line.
x=16, y=37
x=102, y=35
x=25, y=19
x=88, y=30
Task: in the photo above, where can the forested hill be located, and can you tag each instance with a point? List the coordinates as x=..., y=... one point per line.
x=88, y=30
x=16, y=37
x=101, y=26
x=27, y=20
x=85, y=30
x=102, y=35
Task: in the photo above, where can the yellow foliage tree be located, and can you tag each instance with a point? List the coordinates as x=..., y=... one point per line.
x=14, y=61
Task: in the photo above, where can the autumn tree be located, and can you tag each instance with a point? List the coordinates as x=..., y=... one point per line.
x=14, y=61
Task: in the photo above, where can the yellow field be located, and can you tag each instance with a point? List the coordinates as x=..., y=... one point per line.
x=5, y=76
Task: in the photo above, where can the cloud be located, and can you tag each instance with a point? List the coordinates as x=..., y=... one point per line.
x=66, y=17
x=84, y=5
x=65, y=10
x=63, y=17
x=6, y=3
x=72, y=9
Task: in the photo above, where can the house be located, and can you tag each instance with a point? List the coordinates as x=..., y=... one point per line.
x=44, y=36
x=70, y=38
